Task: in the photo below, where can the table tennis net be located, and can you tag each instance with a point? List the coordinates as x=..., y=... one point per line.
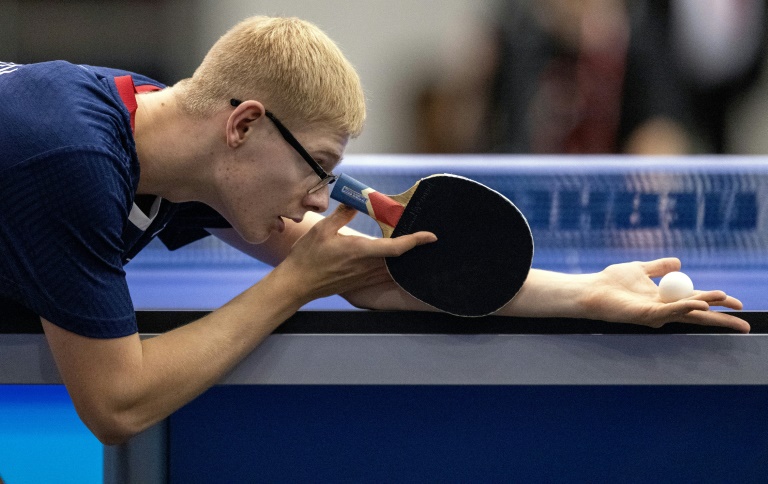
x=586, y=215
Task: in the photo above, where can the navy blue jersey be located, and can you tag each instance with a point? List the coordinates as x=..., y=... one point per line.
x=68, y=213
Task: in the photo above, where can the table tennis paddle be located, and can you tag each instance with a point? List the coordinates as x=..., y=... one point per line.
x=484, y=245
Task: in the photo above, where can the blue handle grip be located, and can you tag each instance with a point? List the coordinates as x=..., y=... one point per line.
x=351, y=192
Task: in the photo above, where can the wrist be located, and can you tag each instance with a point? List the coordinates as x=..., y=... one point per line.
x=287, y=287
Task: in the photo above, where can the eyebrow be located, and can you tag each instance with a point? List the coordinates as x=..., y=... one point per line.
x=332, y=157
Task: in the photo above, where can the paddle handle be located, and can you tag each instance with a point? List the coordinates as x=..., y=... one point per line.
x=384, y=210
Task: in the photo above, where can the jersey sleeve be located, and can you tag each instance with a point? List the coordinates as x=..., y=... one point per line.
x=61, y=221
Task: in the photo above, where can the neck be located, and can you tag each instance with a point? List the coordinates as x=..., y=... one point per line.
x=174, y=148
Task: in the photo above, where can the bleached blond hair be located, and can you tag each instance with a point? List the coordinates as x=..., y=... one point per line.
x=289, y=65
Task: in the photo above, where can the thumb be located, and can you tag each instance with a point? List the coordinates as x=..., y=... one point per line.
x=339, y=217
x=660, y=267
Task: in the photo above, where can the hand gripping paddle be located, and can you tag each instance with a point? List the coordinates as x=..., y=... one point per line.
x=484, y=246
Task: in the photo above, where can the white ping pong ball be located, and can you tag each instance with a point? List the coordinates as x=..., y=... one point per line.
x=675, y=286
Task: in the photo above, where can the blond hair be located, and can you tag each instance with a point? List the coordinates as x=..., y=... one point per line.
x=289, y=65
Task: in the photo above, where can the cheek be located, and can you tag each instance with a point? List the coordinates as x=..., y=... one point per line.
x=240, y=196
x=255, y=193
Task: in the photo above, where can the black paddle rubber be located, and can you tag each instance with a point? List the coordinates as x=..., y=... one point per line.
x=483, y=251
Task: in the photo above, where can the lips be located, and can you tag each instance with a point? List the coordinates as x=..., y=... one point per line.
x=295, y=219
x=281, y=221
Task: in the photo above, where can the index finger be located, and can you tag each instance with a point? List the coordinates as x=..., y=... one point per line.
x=388, y=247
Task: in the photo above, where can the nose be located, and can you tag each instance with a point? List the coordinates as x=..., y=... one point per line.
x=318, y=201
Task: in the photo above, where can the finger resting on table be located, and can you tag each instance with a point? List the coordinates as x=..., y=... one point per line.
x=716, y=318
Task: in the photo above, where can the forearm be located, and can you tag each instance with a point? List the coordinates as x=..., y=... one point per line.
x=545, y=293
x=550, y=294
x=179, y=365
x=124, y=386
x=621, y=293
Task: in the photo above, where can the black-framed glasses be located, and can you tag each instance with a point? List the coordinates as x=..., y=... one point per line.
x=325, y=177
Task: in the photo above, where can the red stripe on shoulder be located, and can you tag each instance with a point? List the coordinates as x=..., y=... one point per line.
x=127, y=93
x=147, y=88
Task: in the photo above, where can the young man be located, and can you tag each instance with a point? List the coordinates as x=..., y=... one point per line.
x=96, y=162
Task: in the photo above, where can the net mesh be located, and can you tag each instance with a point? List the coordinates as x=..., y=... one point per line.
x=584, y=213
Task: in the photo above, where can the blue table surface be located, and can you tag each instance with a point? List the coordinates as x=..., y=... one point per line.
x=191, y=286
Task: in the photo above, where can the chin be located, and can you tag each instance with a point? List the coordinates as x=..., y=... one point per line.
x=254, y=237
x=257, y=239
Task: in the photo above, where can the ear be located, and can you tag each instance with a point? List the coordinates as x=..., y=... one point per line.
x=241, y=120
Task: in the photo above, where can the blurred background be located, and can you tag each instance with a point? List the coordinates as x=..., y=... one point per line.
x=471, y=76
x=454, y=76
